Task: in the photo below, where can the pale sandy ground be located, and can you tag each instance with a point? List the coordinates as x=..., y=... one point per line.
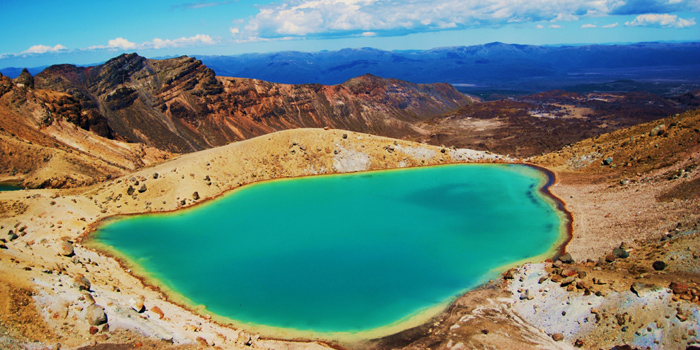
x=54, y=216
x=607, y=214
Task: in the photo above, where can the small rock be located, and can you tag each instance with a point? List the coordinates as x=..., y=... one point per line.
x=599, y=281
x=659, y=265
x=569, y=272
x=94, y=330
x=155, y=175
x=95, y=315
x=345, y=136
x=65, y=248
x=578, y=343
x=143, y=188
x=88, y=298
x=558, y=337
x=509, y=275
x=202, y=342
x=567, y=281
x=137, y=304
x=195, y=195
x=130, y=190
x=608, y=161
x=81, y=282
x=678, y=288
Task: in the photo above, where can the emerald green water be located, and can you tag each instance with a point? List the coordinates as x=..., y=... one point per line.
x=6, y=187
x=344, y=253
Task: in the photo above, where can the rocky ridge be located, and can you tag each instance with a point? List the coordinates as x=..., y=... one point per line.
x=179, y=105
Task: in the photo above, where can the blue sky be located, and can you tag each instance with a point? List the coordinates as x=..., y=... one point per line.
x=37, y=33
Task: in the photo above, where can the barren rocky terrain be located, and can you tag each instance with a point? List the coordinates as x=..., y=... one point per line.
x=630, y=277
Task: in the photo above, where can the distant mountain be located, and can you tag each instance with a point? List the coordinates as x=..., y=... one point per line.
x=530, y=67
x=13, y=72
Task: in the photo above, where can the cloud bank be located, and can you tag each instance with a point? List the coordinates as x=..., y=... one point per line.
x=157, y=43
x=343, y=18
x=661, y=20
x=120, y=44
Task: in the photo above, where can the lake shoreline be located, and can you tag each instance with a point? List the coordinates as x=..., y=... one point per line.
x=176, y=298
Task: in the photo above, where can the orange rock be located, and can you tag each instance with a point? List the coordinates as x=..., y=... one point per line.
x=156, y=310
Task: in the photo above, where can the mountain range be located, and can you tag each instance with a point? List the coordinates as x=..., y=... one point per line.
x=475, y=69
x=495, y=65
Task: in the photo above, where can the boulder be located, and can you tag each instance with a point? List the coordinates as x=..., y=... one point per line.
x=642, y=289
x=95, y=315
x=620, y=253
x=659, y=265
x=65, y=248
x=658, y=130
x=567, y=281
x=566, y=259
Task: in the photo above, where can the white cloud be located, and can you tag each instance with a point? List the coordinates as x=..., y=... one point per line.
x=661, y=20
x=555, y=26
x=199, y=39
x=121, y=43
x=368, y=34
x=157, y=43
x=588, y=25
x=539, y=26
x=612, y=25
x=39, y=49
x=338, y=18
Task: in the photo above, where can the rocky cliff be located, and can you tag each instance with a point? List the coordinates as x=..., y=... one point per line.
x=180, y=105
x=45, y=140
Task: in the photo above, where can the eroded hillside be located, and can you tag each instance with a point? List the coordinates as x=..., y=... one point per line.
x=179, y=105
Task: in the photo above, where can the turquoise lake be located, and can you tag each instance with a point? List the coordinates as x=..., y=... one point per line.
x=344, y=253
